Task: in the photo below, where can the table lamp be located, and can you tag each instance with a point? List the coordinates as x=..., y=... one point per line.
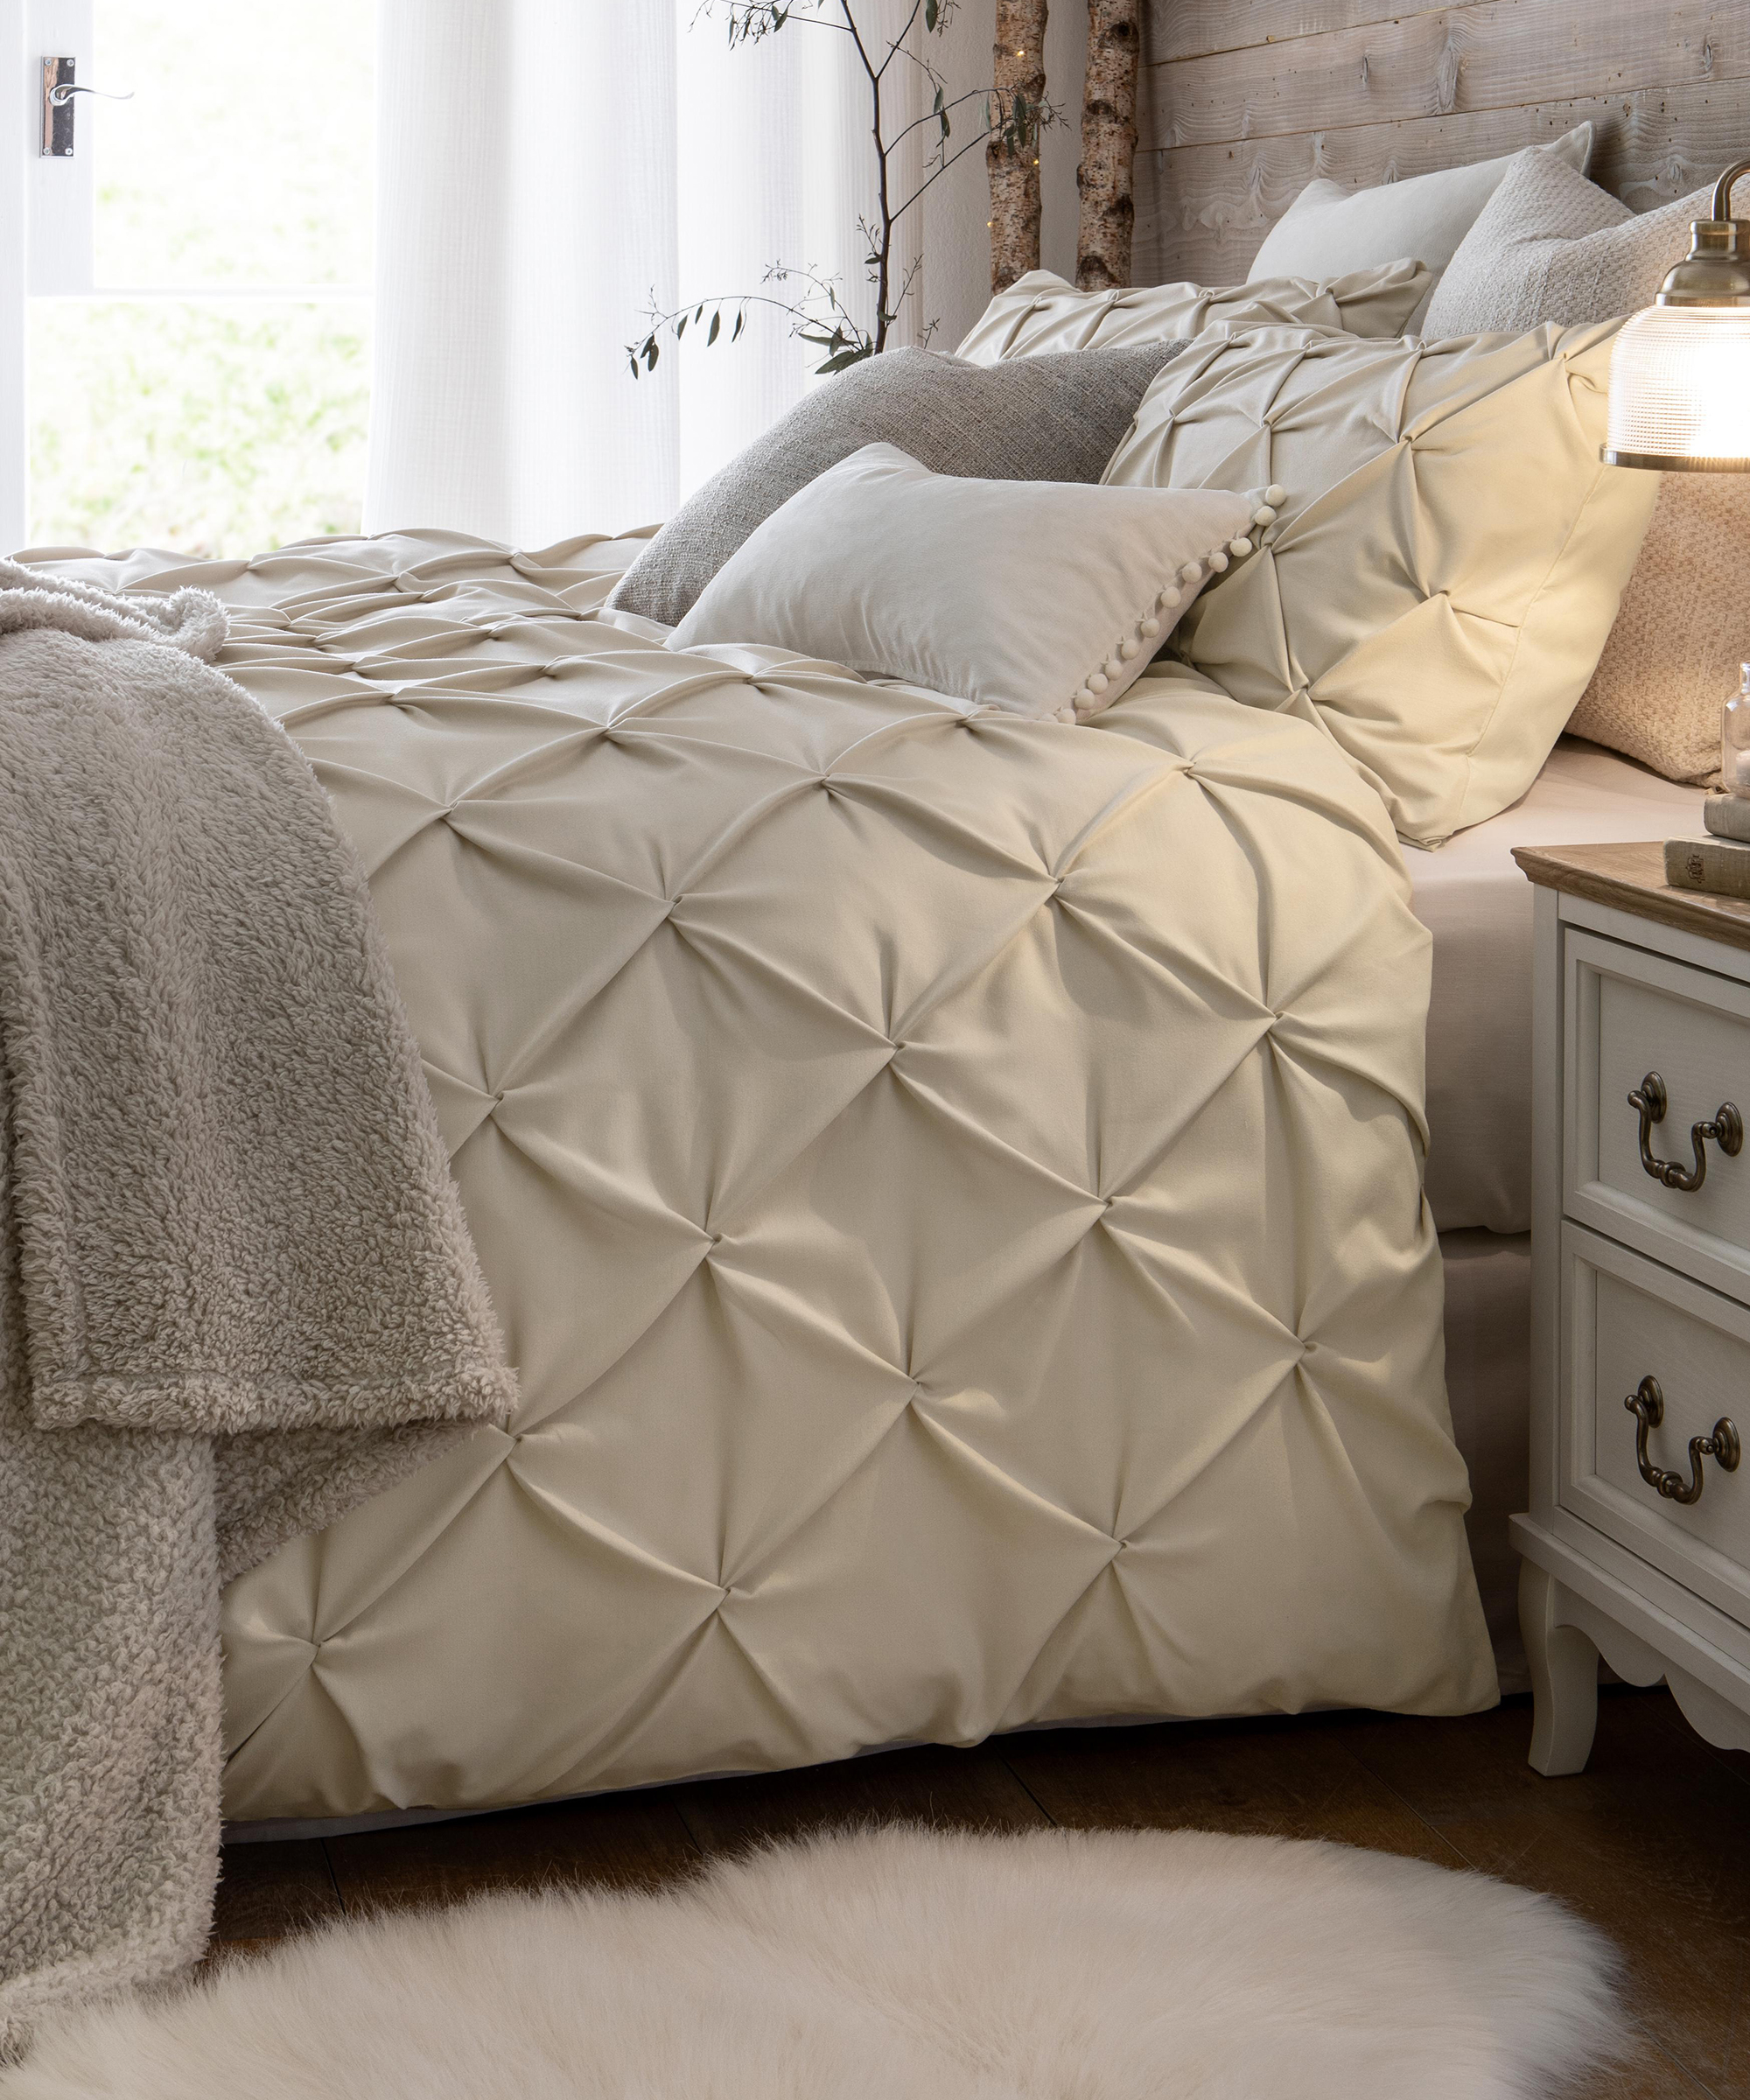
x=1680, y=372
x=1680, y=403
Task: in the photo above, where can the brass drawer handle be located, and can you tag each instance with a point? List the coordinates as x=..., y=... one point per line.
x=1726, y=1130
x=1647, y=1404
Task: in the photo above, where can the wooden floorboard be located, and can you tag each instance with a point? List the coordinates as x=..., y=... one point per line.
x=614, y=1841
x=266, y=1890
x=1651, y=1843
x=1275, y=1779
x=953, y=1789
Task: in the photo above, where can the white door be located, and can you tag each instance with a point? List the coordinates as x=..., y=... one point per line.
x=184, y=301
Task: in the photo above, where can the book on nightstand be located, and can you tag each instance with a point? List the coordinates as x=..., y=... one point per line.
x=1720, y=866
x=1727, y=815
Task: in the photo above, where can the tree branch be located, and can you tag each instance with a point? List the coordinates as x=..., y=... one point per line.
x=895, y=45
x=749, y=21
x=934, y=116
x=981, y=138
x=819, y=315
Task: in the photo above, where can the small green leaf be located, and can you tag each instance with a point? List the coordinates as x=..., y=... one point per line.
x=716, y=323
x=650, y=354
x=932, y=14
x=681, y=327
x=740, y=323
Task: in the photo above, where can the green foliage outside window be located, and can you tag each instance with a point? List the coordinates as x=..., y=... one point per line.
x=219, y=424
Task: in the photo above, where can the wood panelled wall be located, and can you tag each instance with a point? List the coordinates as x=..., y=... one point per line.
x=1243, y=102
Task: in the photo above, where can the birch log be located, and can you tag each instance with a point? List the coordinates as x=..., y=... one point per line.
x=1109, y=145
x=1017, y=68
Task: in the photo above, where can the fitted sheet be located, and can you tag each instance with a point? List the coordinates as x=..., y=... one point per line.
x=1472, y=897
x=951, y=1186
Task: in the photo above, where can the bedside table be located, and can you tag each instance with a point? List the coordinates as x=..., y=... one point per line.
x=1637, y=1543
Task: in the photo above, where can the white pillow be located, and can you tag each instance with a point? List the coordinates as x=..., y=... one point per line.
x=1042, y=597
x=1328, y=229
x=1040, y=312
x=1449, y=553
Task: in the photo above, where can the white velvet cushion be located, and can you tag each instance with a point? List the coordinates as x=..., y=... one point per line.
x=1449, y=553
x=1553, y=246
x=1329, y=228
x=1041, y=312
x=1042, y=597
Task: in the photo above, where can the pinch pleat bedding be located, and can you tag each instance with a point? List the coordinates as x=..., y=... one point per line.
x=951, y=1187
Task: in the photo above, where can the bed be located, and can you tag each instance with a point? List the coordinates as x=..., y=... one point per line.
x=368, y=1668
x=953, y=1185
x=1008, y=1300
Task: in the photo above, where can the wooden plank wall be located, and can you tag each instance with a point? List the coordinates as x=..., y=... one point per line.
x=1243, y=102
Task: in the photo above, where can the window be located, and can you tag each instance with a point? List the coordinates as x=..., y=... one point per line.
x=198, y=328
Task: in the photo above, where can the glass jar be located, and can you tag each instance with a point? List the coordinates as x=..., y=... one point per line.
x=1734, y=739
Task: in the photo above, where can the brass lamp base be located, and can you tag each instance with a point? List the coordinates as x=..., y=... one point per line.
x=1667, y=463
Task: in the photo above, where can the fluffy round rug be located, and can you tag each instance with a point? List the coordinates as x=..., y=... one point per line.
x=901, y=1964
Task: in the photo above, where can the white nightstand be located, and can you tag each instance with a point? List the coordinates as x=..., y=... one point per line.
x=1641, y=1298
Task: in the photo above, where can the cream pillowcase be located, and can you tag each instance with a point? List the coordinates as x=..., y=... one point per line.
x=1448, y=556
x=1553, y=246
x=1042, y=597
x=1041, y=312
x=1329, y=228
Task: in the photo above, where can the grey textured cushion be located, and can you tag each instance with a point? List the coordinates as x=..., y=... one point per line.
x=1050, y=418
x=1551, y=246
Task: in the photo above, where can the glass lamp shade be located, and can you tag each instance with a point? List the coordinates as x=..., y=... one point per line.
x=1680, y=390
x=1734, y=739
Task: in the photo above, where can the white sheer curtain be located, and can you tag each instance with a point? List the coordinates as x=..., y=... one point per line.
x=546, y=167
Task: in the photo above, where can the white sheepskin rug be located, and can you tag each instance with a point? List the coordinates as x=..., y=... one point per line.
x=901, y=1964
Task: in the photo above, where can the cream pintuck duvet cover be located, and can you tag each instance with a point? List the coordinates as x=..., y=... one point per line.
x=951, y=1185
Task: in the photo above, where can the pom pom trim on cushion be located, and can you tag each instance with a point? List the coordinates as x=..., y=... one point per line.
x=1088, y=697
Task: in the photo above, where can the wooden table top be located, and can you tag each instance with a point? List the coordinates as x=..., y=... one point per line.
x=1632, y=878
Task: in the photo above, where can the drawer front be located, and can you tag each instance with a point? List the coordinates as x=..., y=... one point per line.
x=1630, y=1014
x=1625, y=1320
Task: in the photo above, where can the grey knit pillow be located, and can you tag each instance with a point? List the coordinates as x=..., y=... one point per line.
x=1052, y=418
x=1551, y=246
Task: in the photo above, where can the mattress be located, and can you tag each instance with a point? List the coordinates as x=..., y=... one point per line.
x=951, y=1185
x=1473, y=899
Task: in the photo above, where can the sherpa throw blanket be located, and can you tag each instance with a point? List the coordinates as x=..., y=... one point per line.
x=237, y=1294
